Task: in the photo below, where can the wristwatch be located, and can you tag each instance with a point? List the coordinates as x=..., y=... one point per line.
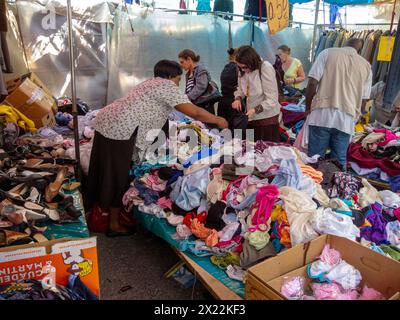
x=259, y=109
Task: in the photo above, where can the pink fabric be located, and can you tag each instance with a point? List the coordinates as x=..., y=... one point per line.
x=165, y=203
x=223, y=244
x=348, y=295
x=396, y=213
x=371, y=294
x=265, y=200
x=154, y=182
x=330, y=256
x=389, y=136
x=293, y=287
x=299, y=138
x=326, y=291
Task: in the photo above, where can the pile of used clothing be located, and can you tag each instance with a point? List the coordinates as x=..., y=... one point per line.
x=329, y=278
x=269, y=198
x=375, y=154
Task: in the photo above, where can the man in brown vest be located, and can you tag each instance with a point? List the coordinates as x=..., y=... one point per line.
x=339, y=85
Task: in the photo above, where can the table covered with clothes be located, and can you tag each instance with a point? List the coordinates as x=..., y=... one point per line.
x=269, y=198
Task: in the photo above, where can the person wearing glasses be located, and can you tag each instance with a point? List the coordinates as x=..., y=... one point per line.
x=258, y=90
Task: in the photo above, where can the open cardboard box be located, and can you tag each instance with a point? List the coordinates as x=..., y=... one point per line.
x=68, y=256
x=34, y=103
x=264, y=280
x=14, y=83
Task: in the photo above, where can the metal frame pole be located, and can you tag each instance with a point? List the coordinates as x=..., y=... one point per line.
x=314, y=38
x=73, y=90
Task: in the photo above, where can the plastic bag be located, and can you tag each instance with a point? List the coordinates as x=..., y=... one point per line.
x=98, y=219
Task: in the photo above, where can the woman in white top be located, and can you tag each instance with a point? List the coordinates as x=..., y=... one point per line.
x=258, y=88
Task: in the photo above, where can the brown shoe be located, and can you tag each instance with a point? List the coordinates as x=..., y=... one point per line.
x=54, y=187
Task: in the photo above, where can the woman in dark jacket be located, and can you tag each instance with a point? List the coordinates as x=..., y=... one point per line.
x=229, y=82
x=197, y=78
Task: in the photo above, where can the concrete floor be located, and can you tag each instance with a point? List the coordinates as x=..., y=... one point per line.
x=133, y=268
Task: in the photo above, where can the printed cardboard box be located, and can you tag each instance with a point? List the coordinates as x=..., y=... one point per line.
x=264, y=280
x=14, y=83
x=34, y=103
x=67, y=256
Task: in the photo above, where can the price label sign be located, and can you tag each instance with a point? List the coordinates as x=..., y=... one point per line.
x=385, y=50
x=278, y=15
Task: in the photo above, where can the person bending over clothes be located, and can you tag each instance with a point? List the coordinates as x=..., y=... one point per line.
x=258, y=89
x=339, y=86
x=120, y=135
x=197, y=78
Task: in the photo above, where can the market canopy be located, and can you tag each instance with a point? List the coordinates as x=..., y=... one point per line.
x=340, y=3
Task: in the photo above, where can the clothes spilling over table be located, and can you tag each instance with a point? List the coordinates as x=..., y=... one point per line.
x=329, y=278
x=269, y=198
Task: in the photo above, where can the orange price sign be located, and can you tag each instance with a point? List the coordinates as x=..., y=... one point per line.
x=278, y=15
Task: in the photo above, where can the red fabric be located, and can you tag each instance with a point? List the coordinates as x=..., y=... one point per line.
x=98, y=219
x=365, y=159
x=397, y=213
x=201, y=217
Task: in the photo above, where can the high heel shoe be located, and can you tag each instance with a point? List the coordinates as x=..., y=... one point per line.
x=54, y=187
x=51, y=213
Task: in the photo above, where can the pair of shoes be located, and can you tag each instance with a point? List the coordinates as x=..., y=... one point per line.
x=113, y=234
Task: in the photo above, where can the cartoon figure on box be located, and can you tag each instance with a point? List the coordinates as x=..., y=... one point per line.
x=79, y=265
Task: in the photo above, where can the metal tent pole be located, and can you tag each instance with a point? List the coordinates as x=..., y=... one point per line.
x=73, y=90
x=314, y=38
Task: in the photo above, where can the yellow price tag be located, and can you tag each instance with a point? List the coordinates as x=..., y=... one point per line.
x=278, y=15
x=385, y=49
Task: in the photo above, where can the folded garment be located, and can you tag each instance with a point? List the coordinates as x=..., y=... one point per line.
x=365, y=159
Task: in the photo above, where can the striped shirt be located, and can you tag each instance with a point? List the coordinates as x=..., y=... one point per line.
x=189, y=84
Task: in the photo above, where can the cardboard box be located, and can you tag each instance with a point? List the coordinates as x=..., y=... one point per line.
x=33, y=102
x=13, y=84
x=264, y=280
x=67, y=256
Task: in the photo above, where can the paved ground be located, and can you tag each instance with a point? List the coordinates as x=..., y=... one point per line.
x=133, y=268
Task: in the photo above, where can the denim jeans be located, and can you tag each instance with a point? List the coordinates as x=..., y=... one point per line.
x=320, y=139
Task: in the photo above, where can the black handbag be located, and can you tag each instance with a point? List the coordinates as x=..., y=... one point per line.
x=210, y=96
x=239, y=119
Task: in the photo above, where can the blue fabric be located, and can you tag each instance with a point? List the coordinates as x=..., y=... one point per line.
x=149, y=196
x=190, y=246
x=295, y=107
x=321, y=138
x=333, y=14
x=277, y=245
x=142, y=169
x=246, y=203
x=297, y=127
x=204, y=152
x=80, y=290
x=289, y=174
x=203, y=5
x=394, y=183
x=190, y=189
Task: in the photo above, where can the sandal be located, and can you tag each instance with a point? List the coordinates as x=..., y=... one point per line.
x=36, y=233
x=54, y=187
x=68, y=204
x=51, y=213
x=8, y=238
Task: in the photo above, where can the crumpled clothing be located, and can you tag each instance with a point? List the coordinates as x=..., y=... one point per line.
x=326, y=221
x=393, y=233
x=392, y=251
x=391, y=201
x=190, y=189
x=328, y=259
x=235, y=272
x=317, y=176
x=293, y=287
x=216, y=186
x=346, y=275
x=13, y=115
x=200, y=231
x=183, y=231
x=153, y=182
x=251, y=256
x=201, y=217
x=340, y=206
x=165, y=203
x=131, y=198
x=174, y=220
x=228, y=231
x=204, y=137
x=149, y=196
x=388, y=136
x=153, y=209
x=300, y=210
x=368, y=194
x=214, y=216
x=345, y=186
x=228, y=259
x=326, y=291
x=377, y=232
x=143, y=168
x=196, y=247
x=370, y=294
x=321, y=196
x=283, y=227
